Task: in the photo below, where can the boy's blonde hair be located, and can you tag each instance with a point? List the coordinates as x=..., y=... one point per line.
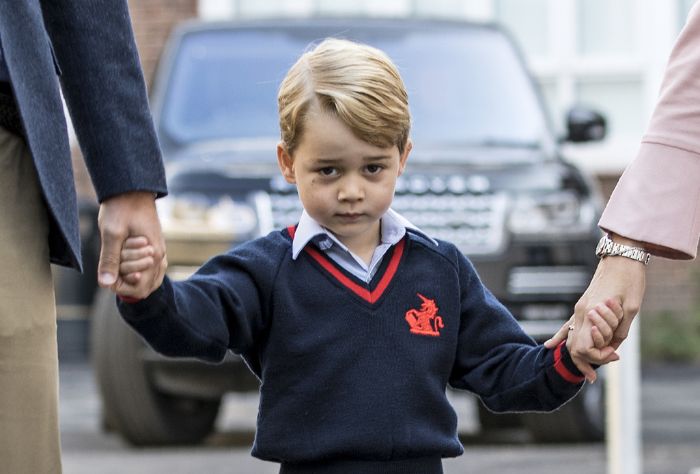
x=357, y=83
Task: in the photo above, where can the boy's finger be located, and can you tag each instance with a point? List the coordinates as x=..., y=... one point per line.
x=126, y=288
x=134, y=266
x=138, y=253
x=601, y=355
x=598, y=339
x=616, y=306
x=603, y=326
x=132, y=278
x=608, y=354
x=608, y=314
x=135, y=242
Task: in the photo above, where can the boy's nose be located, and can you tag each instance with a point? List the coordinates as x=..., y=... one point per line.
x=350, y=190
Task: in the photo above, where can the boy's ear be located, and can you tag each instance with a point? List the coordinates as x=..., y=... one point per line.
x=286, y=164
x=404, y=156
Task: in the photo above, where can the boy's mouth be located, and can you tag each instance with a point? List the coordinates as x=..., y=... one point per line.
x=349, y=216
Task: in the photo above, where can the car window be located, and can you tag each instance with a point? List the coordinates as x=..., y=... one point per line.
x=466, y=86
x=224, y=85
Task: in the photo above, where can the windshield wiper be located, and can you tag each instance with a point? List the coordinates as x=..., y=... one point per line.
x=506, y=143
x=488, y=143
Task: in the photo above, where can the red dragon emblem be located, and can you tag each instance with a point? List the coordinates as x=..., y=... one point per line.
x=425, y=321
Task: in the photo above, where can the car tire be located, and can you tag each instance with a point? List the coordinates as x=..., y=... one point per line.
x=131, y=403
x=580, y=420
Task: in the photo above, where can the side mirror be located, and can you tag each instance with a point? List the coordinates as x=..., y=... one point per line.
x=584, y=125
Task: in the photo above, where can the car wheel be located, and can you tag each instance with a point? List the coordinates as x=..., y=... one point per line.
x=131, y=403
x=580, y=420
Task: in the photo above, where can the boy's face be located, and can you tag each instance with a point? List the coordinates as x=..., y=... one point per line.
x=344, y=183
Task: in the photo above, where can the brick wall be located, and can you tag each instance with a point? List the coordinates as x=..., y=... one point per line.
x=152, y=21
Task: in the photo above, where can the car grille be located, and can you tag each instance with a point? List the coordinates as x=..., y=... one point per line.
x=444, y=207
x=555, y=280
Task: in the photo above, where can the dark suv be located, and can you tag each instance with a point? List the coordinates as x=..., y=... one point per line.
x=485, y=173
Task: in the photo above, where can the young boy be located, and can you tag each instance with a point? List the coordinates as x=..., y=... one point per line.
x=354, y=320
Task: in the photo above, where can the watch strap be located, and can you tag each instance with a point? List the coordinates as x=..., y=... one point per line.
x=609, y=248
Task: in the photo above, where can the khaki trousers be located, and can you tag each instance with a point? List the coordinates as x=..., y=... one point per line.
x=29, y=440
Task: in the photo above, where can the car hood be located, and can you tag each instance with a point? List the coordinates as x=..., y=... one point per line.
x=227, y=167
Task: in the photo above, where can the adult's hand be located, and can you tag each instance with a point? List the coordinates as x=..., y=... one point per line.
x=129, y=215
x=618, y=279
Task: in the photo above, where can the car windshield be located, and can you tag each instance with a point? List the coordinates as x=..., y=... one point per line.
x=466, y=86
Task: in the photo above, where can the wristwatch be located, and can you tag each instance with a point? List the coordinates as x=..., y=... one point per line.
x=606, y=247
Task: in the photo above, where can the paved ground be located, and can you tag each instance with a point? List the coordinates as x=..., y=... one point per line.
x=670, y=420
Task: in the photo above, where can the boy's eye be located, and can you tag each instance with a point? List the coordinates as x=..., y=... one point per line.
x=328, y=171
x=374, y=169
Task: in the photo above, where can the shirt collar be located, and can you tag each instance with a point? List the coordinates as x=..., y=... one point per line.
x=394, y=227
x=307, y=229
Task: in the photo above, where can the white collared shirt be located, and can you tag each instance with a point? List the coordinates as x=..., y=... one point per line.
x=393, y=228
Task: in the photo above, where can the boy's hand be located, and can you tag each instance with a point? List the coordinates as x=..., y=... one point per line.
x=137, y=256
x=591, y=342
x=605, y=318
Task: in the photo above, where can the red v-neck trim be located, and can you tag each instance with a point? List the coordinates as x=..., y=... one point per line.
x=371, y=296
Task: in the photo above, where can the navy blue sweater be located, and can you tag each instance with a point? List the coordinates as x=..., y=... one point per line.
x=354, y=372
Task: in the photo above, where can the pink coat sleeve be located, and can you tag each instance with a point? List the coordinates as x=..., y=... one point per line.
x=657, y=200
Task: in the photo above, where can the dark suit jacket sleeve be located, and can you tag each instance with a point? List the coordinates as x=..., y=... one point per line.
x=105, y=92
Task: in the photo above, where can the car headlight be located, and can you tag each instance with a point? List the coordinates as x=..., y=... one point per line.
x=198, y=217
x=560, y=213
